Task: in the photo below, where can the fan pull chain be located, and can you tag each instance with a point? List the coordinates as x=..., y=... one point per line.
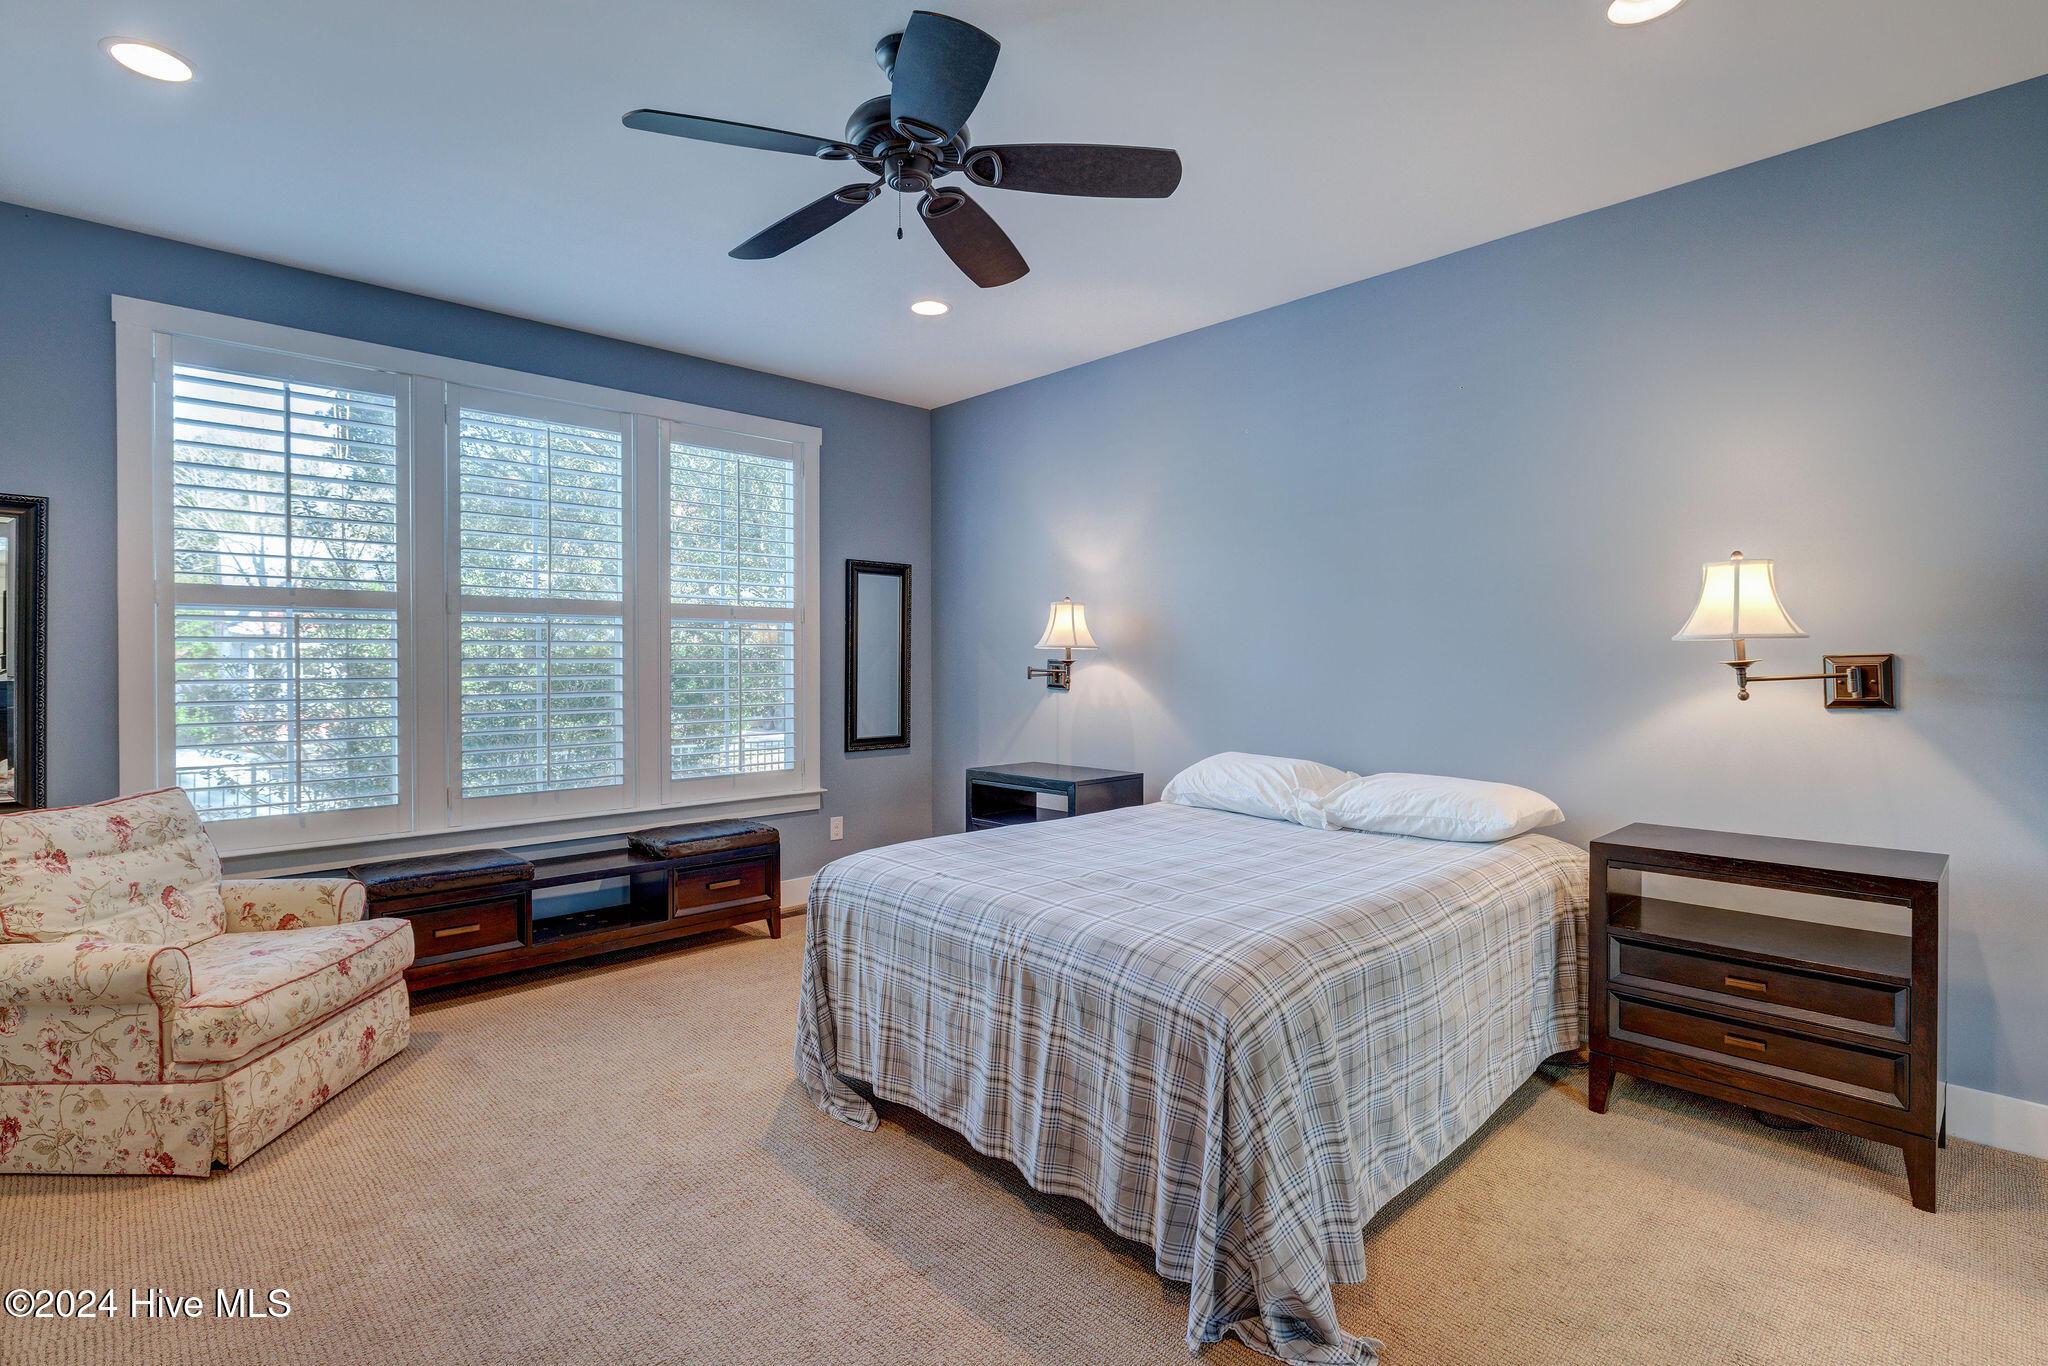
x=899, y=218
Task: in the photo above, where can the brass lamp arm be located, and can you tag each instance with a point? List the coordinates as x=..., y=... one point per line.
x=1793, y=678
x=1855, y=678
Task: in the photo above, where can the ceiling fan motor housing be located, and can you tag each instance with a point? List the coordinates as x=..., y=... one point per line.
x=910, y=172
x=874, y=137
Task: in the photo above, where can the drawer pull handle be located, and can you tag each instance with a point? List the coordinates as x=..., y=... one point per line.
x=1738, y=1041
x=454, y=930
x=721, y=886
x=1745, y=984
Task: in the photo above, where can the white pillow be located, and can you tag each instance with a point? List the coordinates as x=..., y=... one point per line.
x=1252, y=784
x=1432, y=807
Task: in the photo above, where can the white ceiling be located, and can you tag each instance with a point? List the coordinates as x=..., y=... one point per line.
x=471, y=149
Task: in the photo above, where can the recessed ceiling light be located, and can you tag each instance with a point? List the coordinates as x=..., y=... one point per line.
x=1629, y=13
x=147, y=59
x=929, y=308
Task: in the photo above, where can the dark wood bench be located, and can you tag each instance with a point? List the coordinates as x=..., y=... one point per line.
x=475, y=914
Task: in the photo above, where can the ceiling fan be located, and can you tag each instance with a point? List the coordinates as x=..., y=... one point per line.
x=938, y=68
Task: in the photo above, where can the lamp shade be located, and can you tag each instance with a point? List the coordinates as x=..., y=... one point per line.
x=1738, y=598
x=1066, y=627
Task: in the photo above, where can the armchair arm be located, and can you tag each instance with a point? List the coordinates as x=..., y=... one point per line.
x=93, y=972
x=290, y=903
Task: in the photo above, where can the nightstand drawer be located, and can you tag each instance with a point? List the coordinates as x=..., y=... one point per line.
x=1747, y=984
x=1880, y=1075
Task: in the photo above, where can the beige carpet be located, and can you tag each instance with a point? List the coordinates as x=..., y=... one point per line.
x=615, y=1165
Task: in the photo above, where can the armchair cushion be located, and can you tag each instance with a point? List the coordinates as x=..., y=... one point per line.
x=261, y=986
x=290, y=903
x=136, y=870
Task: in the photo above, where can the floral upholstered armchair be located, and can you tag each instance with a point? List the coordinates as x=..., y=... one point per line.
x=156, y=1019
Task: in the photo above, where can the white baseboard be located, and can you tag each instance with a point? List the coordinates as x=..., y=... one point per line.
x=795, y=892
x=2018, y=1126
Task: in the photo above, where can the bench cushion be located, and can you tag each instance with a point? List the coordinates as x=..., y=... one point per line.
x=702, y=837
x=441, y=873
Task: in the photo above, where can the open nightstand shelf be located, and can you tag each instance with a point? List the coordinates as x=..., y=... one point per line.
x=1763, y=938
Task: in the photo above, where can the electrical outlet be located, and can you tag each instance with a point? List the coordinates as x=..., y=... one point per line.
x=839, y=827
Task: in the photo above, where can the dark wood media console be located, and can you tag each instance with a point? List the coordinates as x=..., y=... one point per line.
x=481, y=920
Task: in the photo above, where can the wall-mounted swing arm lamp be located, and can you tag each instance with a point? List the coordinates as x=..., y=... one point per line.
x=1739, y=601
x=1066, y=630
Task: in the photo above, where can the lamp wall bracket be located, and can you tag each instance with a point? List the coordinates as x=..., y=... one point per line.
x=1880, y=690
x=1057, y=673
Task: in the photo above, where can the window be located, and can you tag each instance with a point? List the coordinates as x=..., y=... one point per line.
x=541, y=637
x=377, y=597
x=285, y=567
x=732, y=612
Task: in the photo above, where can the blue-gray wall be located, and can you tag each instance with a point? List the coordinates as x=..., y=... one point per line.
x=57, y=439
x=1447, y=519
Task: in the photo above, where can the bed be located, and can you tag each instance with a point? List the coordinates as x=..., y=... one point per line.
x=1235, y=1038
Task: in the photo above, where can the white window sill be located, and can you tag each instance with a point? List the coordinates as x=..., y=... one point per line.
x=319, y=856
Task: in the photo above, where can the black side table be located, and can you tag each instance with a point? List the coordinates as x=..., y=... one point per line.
x=1008, y=794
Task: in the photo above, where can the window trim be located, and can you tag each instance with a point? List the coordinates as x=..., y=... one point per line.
x=142, y=398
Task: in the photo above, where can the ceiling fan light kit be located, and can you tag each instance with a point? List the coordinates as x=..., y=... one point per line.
x=910, y=138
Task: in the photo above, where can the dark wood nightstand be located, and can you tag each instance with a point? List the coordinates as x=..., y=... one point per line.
x=1007, y=794
x=1837, y=1027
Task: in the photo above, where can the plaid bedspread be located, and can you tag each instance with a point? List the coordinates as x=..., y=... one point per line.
x=1235, y=1038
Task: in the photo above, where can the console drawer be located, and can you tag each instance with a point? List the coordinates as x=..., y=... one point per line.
x=1754, y=1048
x=1858, y=1003
x=463, y=931
x=705, y=888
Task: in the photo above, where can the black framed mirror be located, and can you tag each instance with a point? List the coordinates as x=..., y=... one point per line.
x=877, y=655
x=24, y=563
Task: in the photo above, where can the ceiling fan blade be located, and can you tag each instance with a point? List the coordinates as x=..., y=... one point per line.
x=983, y=251
x=733, y=134
x=806, y=223
x=1077, y=168
x=942, y=66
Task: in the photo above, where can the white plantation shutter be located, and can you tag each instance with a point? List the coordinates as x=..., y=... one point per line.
x=285, y=612
x=732, y=698
x=540, y=544
x=285, y=711
x=542, y=508
x=543, y=703
x=732, y=528
x=733, y=580
x=282, y=485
